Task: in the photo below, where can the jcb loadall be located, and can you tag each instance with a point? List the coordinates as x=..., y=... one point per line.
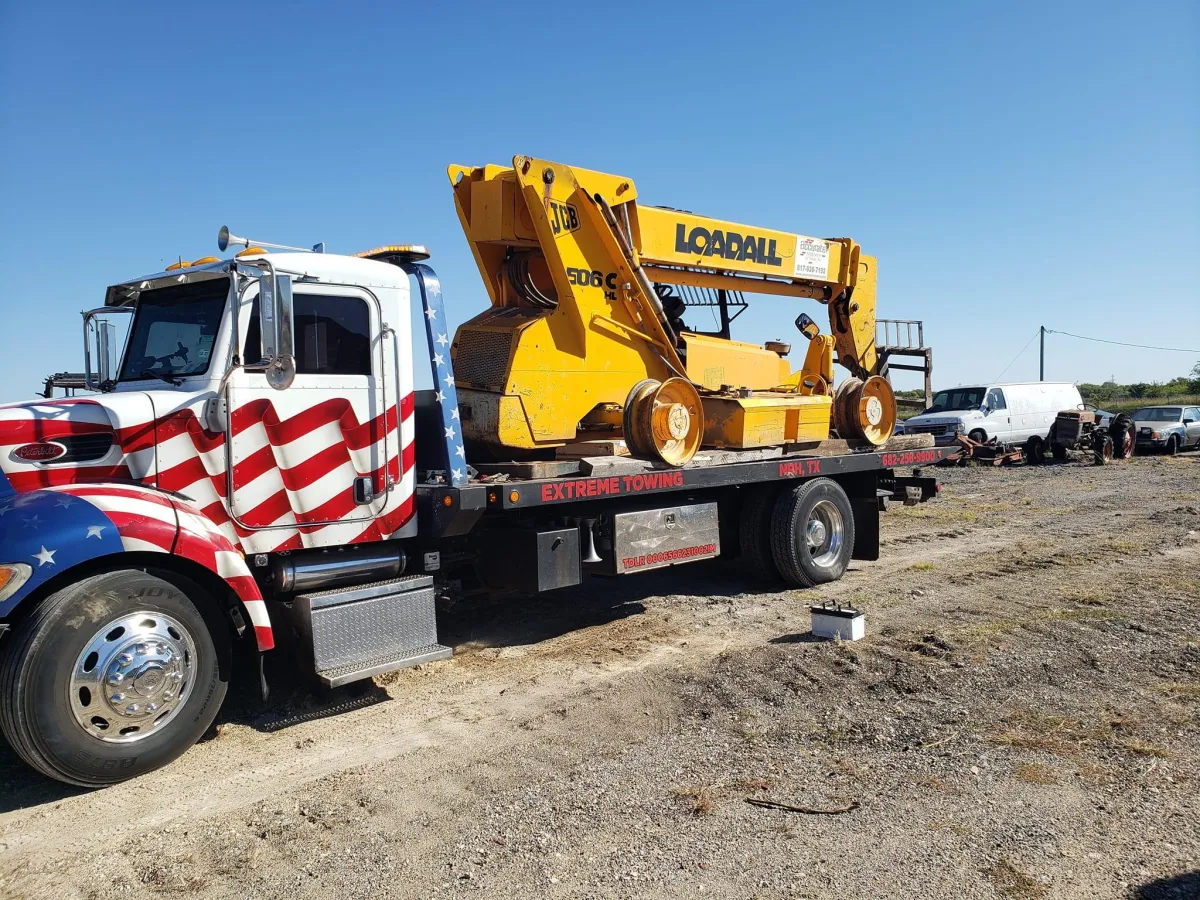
x=585, y=332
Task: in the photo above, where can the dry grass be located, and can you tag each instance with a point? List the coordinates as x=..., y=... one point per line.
x=1001, y=627
x=1068, y=737
x=1083, y=594
x=922, y=566
x=937, y=783
x=1180, y=689
x=1142, y=748
x=1035, y=773
x=1012, y=882
x=698, y=798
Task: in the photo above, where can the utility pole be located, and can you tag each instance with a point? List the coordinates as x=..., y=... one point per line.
x=1042, y=356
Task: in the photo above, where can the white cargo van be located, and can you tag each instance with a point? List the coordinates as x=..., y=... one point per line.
x=1012, y=413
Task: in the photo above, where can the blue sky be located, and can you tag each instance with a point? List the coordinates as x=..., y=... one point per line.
x=1011, y=165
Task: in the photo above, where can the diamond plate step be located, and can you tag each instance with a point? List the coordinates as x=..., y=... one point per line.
x=370, y=668
x=369, y=629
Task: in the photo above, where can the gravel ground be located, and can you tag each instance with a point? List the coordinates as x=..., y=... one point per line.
x=1022, y=721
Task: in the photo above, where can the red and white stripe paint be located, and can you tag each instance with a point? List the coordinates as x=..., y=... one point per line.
x=150, y=521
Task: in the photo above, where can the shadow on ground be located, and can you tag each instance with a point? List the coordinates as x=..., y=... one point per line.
x=296, y=697
x=1177, y=887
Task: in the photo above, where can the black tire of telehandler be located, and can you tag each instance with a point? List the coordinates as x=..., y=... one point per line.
x=38, y=658
x=1124, y=436
x=789, y=538
x=1102, y=448
x=754, y=533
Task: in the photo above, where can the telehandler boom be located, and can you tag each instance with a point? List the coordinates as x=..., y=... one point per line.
x=585, y=333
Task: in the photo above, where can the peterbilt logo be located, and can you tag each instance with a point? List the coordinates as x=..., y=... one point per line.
x=42, y=451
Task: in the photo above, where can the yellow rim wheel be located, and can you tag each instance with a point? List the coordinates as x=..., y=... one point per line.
x=665, y=421
x=865, y=410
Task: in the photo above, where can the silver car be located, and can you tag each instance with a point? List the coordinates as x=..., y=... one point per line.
x=1169, y=428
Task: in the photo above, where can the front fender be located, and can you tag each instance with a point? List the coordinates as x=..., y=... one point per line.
x=55, y=529
x=51, y=532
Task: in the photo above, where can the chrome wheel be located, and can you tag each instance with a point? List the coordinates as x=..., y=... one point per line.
x=133, y=677
x=825, y=532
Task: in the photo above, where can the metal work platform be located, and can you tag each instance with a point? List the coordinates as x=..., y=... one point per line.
x=905, y=338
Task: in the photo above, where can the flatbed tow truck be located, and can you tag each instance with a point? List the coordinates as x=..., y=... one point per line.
x=255, y=466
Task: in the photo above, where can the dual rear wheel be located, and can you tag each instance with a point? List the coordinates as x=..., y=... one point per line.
x=801, y=536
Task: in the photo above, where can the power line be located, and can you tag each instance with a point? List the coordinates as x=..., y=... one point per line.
x=1121, y=343
x=1018, y=356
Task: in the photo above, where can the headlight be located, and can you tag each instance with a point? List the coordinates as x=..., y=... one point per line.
x=958, y=428
x=12, y=576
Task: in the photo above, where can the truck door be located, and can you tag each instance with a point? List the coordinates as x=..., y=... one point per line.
x=308, y=462
x=999, y=420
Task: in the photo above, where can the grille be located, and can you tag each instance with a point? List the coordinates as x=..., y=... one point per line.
x=481, y=358
x=84, y=447
x=926, y=429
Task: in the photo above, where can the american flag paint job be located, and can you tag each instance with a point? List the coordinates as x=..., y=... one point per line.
x=293, y=470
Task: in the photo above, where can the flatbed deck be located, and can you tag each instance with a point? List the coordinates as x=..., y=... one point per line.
x=447, y=504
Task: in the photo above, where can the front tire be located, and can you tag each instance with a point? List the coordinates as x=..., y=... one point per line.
x=978, y=436
x=812, y=533
x=110, y=678
x=1172, y=446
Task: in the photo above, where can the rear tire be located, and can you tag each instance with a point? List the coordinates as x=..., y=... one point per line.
x=1124, y=436
x=1035, y=451
x=754, y=534
x=812, y=533
x=59, y=679
x=1057, y=450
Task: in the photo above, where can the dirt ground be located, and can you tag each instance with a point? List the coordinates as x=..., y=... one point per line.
x=1022, y=721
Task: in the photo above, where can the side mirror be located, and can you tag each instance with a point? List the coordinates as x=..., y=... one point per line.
x=275, y=316
x=100, y=345
x=106, y=340
x=1188, y=421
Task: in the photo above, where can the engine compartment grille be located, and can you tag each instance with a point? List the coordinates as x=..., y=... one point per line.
x=481, y=358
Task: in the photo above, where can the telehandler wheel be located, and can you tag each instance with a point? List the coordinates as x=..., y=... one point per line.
x=1102, y=448
x=1124, y=436
x=664, y=421
x=754, y=533
x=110, y=678
x=812, y=533
x=865, y=410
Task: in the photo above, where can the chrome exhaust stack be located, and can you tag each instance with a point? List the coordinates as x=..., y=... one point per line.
x=313, y=570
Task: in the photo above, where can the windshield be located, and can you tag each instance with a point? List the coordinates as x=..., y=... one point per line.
x=173, y=330
x=958, y=398
x=1159, y=414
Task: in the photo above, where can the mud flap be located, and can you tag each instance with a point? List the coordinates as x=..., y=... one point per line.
x=866, y=528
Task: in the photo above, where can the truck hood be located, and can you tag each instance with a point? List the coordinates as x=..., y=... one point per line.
x=946, y=418
x=45, y=443
x=1159, y=425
